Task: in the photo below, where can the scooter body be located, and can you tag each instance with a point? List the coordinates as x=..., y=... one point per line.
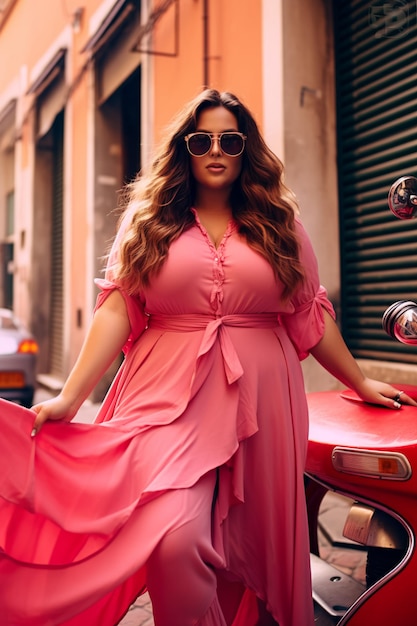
x=368, y=454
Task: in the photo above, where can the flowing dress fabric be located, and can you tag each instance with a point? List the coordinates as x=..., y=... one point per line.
x=211, y=385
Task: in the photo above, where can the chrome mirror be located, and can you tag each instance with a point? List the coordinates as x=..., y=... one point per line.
x=400, y=321
x=402, y=197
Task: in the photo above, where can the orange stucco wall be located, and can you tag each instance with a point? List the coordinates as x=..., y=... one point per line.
x=235, y=50
x=26, y=37
x=234, y=55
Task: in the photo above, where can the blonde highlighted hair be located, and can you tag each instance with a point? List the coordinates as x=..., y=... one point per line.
x=158, y=205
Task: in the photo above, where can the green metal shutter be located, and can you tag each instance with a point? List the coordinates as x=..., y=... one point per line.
x=376, y=69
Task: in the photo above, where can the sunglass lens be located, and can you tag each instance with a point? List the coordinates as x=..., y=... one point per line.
x=199, y=144
x=231, y=143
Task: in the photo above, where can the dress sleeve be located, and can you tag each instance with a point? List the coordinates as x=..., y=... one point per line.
x=134, y=305
x=304, y=315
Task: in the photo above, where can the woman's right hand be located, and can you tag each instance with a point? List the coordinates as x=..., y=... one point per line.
x=108, y=333
x=57, y=408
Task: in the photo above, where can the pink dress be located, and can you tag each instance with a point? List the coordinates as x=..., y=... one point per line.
x=211, y=382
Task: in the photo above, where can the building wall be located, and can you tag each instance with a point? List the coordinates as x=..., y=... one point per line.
x=310, y=142
x=230, y=60
x=274, y=54
x=29, y=41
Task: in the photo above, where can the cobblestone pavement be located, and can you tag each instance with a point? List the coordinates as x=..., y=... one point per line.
x=334, y=548
x=139, y=614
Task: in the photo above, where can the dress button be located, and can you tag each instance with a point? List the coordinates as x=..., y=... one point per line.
x=216, y=259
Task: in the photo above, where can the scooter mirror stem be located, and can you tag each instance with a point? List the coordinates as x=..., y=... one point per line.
x=402, y=197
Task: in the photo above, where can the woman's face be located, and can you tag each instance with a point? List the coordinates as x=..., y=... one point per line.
x=216, y=170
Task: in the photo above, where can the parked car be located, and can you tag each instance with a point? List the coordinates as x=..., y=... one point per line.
x=18, y=356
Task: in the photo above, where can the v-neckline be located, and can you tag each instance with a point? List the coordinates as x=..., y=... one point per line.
x=228, y=231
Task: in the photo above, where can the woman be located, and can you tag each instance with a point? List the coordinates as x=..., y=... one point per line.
x=190, y=483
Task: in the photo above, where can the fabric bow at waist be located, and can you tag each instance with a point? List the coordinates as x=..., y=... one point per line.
x=216, y=328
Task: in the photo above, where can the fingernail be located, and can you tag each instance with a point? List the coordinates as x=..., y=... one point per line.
x=33, y=433
x=397, y=405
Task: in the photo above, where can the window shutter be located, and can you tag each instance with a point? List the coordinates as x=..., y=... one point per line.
x=376, y=62
x=57, y=258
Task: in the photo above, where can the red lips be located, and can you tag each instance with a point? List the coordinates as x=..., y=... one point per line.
x=215, y=166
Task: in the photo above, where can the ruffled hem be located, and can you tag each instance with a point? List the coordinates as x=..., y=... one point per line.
x=103, y=473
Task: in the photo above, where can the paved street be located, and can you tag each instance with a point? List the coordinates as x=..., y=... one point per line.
x=139, y=614
x=334, y=548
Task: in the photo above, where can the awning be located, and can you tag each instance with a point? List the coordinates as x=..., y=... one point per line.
x=109, y=27
x=116, y=18
x=51, y=92
x=50, y=103
x=111, y=46
x=51, y=71
x=116, y=63
x=8, y=125
x=147, y=28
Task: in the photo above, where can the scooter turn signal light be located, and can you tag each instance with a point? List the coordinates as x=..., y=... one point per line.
x=372, y=463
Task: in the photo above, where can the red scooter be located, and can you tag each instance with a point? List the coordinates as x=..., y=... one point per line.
x=368, y=455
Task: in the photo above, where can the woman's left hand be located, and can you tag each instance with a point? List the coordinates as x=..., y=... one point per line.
x=376, y=392
x=333, y=354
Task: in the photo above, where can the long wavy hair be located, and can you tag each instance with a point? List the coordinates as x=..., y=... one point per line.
x=158, y=203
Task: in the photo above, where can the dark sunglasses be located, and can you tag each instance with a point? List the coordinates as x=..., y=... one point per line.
x=231, y=143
